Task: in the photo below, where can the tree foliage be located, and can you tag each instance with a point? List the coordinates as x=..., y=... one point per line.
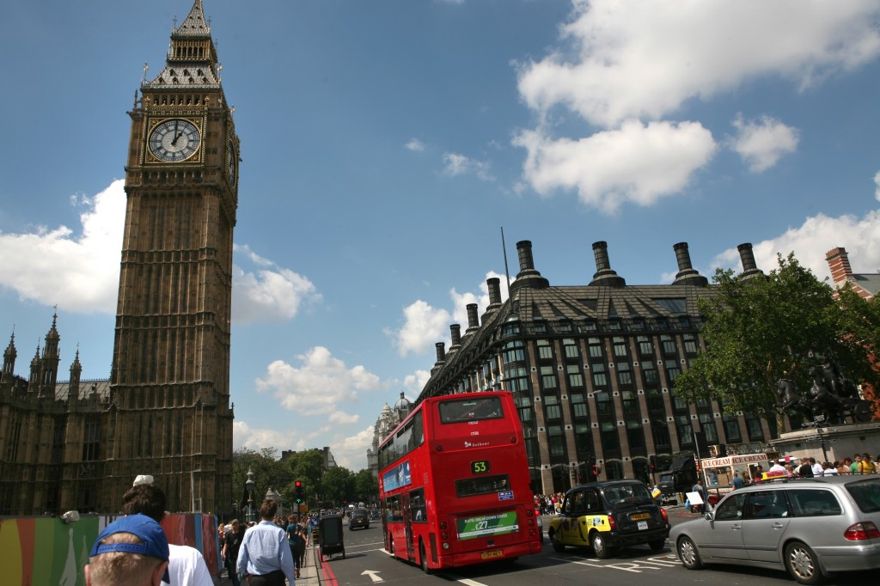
x=323, y=487
x=762, y=329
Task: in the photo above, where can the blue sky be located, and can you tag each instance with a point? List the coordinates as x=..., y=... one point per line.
x=384, y=144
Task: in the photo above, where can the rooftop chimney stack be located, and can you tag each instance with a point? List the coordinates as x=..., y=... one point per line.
x=747, y=257
x=527, y=276
x=473, y=318
x=838, y=262
x=605, y=275
x=441, y=351
x=455, y=335
x=687, y=275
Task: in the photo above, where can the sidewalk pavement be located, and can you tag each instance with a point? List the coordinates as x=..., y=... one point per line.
x=309, y=574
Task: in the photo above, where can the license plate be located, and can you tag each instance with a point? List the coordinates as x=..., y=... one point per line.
x=643, y=525
x=490, y=555
x=640, y=516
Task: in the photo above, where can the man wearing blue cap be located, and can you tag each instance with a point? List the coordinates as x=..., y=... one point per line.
x=132, y=550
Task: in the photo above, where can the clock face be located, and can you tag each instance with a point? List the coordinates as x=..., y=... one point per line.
x=174, y=140
x=230, y=161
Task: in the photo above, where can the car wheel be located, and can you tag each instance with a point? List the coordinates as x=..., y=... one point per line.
x=657, y=545
x=423, y=559
x=688, y=553
x=801, y=563
x=600, y=546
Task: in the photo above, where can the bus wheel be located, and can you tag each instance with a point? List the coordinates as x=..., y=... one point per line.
x=557, y=546
x=423, y=558
x=390, y=541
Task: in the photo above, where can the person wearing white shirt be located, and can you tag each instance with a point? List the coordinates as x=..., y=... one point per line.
x=818, y=470
x=186, y=565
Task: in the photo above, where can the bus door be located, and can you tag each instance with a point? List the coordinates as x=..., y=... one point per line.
x=407, y=524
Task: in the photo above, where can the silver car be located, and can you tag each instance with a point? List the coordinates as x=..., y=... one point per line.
x=809, y=527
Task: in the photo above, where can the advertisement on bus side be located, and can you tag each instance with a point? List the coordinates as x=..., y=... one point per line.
x=397, y=477
x=482, y=525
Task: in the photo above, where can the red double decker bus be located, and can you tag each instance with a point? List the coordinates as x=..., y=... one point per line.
x=454, y=483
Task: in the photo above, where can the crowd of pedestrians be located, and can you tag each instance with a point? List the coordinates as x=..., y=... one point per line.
x=811, y=468
x=134, y=550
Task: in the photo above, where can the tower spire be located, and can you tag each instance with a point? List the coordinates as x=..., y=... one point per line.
x=192, y=56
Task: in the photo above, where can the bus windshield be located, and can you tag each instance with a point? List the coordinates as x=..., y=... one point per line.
x=470, y=410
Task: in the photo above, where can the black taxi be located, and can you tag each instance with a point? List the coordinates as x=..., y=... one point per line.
x=607, y=515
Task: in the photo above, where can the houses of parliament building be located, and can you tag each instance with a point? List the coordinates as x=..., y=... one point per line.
x=165, y=409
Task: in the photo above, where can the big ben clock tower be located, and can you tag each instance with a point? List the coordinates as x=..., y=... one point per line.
x=170, y=373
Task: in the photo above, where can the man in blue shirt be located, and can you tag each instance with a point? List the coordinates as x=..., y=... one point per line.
x=264, y=556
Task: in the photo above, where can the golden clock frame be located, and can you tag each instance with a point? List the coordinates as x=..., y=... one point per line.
x=154, y=121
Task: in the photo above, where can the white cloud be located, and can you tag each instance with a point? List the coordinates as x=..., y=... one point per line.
x=351, y=451
x=643, y=58
x=41, y=263
x=268, y=293
x=343, y=417
x=813, y=239
x=425, y=325
x=318, y=385
x=415, y=382
x=79, y=273
x=637, y=163
x=415, y=145
x=245, y=436
x=877, y=186
x=457, y=164
x=762, y=142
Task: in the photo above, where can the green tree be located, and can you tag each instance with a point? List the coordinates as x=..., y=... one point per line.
x=337, y=486
x=763, y=329
x=307, y=466
x=268, y=471
x=366, y=488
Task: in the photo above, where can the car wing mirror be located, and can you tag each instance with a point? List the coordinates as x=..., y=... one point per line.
x=710, y=516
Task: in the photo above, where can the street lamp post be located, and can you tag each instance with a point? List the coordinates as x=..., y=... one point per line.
x=249, y=486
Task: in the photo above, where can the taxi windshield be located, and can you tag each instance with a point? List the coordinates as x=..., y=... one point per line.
x=626, y=495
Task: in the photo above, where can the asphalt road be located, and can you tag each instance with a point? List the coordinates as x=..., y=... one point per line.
x=366, y=563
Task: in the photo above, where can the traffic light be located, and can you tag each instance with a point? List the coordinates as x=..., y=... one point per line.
x=299, y=492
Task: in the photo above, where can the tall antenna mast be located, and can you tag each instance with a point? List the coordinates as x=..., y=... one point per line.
x=506, y=270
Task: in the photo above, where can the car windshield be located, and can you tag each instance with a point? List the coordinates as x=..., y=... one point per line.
x=866, y=493
x=625, y=495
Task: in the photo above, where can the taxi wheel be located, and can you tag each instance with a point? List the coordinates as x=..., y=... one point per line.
x=600, y=546
x=688, y=554
x=801, y=563
x=558, y=547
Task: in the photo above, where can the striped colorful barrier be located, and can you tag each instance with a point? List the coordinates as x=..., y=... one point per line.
x=45, y=550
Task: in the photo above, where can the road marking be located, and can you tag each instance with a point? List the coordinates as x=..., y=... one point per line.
x=373, y=574
x=470, y=582
x=635, y=567
x=365, y=544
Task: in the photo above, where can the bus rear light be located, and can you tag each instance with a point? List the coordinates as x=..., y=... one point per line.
x=444, y=535
x=445, y=545
x=862, y=532
x=443, y=525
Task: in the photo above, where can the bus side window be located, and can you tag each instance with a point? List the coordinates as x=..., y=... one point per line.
x=417, y=504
